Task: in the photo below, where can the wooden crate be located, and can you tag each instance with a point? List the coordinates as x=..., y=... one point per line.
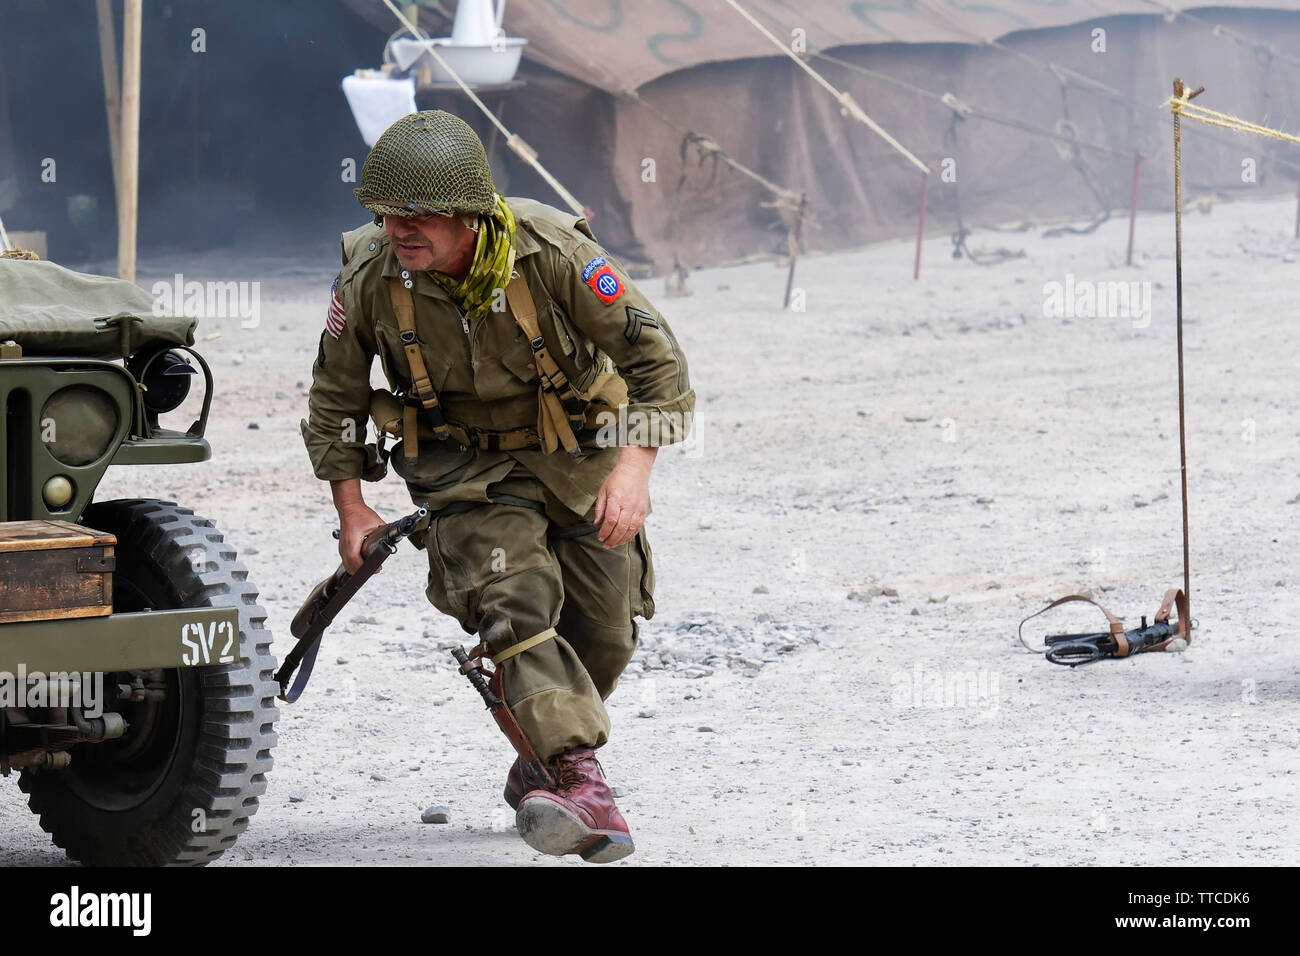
x=54, y=569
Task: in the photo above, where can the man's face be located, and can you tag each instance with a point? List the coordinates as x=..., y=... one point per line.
x=427, y=242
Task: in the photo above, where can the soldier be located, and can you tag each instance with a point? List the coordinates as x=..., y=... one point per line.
x=532, y=384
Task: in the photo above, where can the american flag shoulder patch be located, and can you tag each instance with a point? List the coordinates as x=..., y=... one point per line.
x=334, y=318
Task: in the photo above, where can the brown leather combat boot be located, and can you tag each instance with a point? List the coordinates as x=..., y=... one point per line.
x=515, y=785
x=579, y=816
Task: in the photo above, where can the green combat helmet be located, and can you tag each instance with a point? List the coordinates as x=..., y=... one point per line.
x=427, y=162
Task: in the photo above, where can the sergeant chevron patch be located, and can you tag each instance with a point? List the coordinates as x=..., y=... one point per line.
x=636, y=320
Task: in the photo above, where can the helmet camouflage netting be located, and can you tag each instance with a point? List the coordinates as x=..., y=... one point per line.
x=430, y=159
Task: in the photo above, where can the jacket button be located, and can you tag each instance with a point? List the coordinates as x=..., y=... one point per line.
x=405, y=274
x=408, y=283
x=372, y=247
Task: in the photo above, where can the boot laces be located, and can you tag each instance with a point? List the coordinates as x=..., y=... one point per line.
x=569, y=775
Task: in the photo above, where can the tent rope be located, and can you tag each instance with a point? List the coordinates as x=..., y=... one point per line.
x=1269, y=51
x=1182, y=106
x=848, y=105
x=791, y=206
x=516, y=144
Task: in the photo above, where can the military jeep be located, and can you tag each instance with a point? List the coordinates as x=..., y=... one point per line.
x=136, y=691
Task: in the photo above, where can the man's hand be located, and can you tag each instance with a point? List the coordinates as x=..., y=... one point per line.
x=624, y=497
x=356, y=520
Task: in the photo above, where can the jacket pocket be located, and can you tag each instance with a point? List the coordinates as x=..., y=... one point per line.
x=518, y=357
x=644, y=577
x=393, y=361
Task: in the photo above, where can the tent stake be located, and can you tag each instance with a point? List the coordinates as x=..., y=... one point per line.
x=1133, y=206
x=920, y=226
x=794, y=249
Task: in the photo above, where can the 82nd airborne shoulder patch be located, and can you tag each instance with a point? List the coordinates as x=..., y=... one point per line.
x=602, y=281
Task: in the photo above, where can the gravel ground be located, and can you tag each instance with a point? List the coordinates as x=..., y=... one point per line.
x=879, y=488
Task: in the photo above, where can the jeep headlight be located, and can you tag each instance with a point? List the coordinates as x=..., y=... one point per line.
x=78, y=423
x=166, y=380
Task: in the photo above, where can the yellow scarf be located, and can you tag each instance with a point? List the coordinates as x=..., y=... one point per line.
x=494, y=260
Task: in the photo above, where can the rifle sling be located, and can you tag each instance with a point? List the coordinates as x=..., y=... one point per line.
x=305, y=650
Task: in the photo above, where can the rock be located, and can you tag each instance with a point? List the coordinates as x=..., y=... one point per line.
x=761, y=590
x=281, y=396
x=340, y=660
x=435, y=815
x=379, y=777
x=861, y=596
x=764, y=618
x=621, y=792
x=938, y=597
x=705, y=730
x=915, y=612
x=253, y=426
x=298, y=796
x=646, y=712
x=889, y=592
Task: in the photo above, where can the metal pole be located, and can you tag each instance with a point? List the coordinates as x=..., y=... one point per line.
x=1178, y=285
x=794, y=249
x=1297, y=207
x=1133, y=206
x=132, y=17
x=920, y=226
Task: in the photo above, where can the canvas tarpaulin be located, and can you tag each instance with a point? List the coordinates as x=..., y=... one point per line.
x=50, y=310
x=621, y=44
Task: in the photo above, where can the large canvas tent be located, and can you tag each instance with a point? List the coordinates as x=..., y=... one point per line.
x=1039, y=64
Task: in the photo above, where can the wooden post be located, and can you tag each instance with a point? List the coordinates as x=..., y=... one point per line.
x=112, y=90
x=132, y=19
x=1133, y=206
x=920, y=226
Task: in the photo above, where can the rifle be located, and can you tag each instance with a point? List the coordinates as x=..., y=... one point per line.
x=1073, y=650
x=329, y=597
x=489, y=687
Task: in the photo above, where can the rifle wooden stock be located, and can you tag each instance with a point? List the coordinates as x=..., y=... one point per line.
x=489, y=688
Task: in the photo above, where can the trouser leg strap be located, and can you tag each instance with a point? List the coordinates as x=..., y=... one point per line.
x=524, y=645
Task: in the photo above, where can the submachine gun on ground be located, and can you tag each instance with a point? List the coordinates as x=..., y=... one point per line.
x=1075, y=649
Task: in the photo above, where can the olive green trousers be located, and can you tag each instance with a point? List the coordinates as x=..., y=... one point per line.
x=523, y=563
